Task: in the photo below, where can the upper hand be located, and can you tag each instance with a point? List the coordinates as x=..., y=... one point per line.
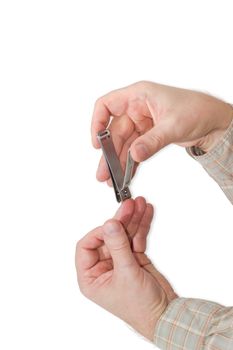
x=118, y=275
x=149, y=116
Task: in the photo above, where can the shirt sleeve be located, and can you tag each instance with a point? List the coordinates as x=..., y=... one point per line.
x=219, y=162
x=195, y=324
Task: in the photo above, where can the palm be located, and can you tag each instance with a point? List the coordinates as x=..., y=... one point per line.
x=101, y=274
x=102, y=271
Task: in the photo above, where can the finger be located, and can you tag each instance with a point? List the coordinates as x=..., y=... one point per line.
x=124, y=215
x=143, y=124
x=125, y=212
x=99, y=269
x=139, y=240
x=112, y=104
x=102, y=173
x=87, y=255
x=100, y=120
x=139, y=210
x=124, y=152
x=118, y=244
x=152, y=141
x=121, y=129
x=142, y=259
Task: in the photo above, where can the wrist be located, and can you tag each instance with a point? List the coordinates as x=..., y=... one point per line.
x=209, y=141
x=149, y=324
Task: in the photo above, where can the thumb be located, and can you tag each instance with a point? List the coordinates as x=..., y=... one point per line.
x=152, y=141
x=118, y=244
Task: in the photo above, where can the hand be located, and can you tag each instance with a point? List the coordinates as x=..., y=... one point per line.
x=118, y=275
x=149, y=116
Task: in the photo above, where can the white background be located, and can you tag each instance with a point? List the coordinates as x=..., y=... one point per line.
x=56, y=59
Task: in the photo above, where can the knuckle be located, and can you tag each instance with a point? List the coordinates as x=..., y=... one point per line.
x=121, y=245
x=157, y=139
x=143, y=83
x=99, y=101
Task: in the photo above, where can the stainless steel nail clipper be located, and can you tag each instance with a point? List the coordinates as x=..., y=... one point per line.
x=120, y=180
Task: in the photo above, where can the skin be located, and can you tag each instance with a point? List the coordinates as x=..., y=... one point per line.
x=114, y=271
x=147, y=117
x=112, y=267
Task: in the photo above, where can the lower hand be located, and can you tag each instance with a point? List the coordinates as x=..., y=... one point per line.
x=117, y=275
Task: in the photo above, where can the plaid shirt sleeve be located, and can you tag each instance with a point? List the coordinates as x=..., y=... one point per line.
x=195, y=324
x=219, y=162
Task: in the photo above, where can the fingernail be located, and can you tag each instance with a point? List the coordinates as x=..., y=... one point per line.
x=111, y=228
x=142, y=150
